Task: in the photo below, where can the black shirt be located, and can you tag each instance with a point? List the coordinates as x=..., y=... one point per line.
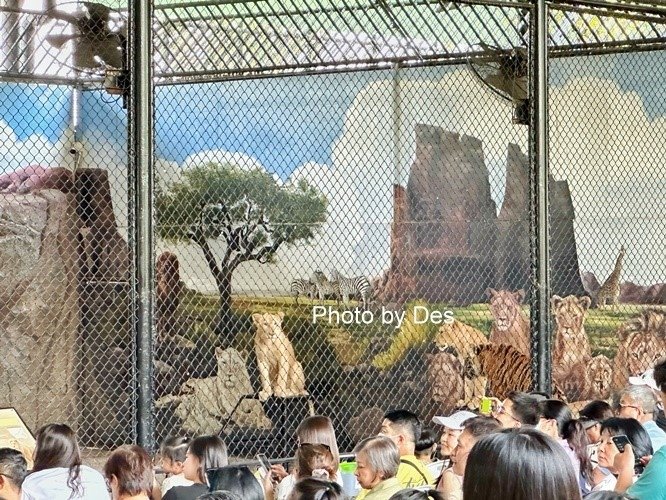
x=186, y=492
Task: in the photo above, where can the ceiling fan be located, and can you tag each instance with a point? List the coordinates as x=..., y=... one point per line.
x=505, y=73
x=98, y=35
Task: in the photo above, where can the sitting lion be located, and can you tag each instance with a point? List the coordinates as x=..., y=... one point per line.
x=280, y=372
x=572, y=352
x=510, y=324
x=642, y=343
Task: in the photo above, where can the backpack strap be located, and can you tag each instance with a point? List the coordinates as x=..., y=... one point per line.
x=403, y=461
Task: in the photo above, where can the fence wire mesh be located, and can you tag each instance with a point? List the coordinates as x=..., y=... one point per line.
x=328, y=240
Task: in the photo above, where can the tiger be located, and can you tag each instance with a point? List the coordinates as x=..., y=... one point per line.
x=506, y=367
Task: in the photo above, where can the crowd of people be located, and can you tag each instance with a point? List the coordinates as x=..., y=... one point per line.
x=529, y=447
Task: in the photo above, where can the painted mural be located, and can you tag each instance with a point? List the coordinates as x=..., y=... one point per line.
x=379, y=219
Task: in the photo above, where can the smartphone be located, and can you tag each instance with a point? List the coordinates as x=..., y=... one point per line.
x=486, y=406
x=265, y=464
x=620, y=442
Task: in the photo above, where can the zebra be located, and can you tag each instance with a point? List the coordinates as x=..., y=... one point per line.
x=350, y=287
x=324, y=286
x=304, y=288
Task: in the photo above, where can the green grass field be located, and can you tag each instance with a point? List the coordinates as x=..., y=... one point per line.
x=601, y=325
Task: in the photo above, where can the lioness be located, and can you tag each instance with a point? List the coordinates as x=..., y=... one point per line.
x=510, y=324
x=280, y=372
x=572, y=352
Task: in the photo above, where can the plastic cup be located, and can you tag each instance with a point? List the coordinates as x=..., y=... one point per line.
x=349, y=484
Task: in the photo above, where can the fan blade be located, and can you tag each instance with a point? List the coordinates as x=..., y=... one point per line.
x=58, y=41
x=513, y=88
x=98, y=11
x=110, y=51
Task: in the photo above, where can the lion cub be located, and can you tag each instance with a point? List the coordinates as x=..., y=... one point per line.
x=279, y=371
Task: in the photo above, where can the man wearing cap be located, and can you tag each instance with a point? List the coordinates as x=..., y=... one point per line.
x=647, y=379
x=453, y=427
x=638, y=401
x=404, y=428
x=651, y=485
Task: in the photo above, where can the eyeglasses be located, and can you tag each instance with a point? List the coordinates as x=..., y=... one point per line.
x=637, y=408
x=500, y=410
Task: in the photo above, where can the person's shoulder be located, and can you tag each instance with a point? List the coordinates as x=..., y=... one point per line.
x=185, y=492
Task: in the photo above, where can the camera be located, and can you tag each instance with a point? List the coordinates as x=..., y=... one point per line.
x=76, y=148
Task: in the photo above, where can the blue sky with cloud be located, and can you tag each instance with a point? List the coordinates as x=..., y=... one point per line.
x=608, y=124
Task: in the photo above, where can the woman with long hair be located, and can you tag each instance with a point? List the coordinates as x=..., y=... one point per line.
x=129, y=473
x=556, y=420
x=203, y=453
x=58, y=473
x=519, y=464
x=315, y=430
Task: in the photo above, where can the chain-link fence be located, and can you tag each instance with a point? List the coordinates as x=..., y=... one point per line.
x=343, y=213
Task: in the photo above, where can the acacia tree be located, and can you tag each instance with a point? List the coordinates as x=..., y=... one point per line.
x=248, y=210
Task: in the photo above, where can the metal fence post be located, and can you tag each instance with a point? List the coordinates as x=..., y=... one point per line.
x=140, y=125
x=539, y=166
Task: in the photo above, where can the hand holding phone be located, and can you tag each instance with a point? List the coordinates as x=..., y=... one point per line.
x=620, y=442
x=265, y=464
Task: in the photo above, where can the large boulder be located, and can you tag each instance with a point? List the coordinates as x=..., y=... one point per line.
x=39, y=313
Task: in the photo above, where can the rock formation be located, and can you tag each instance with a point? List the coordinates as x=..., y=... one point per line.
x=39, y=313
x=448, y=244
x=513, y=256
x=443, y=232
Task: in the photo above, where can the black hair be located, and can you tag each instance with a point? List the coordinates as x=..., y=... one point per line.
x=632, y=428
x=524, y=407
x=414, y=494
x=175, y=448
x=519, y=464
x=219, y=495
x=659, y=375
x=480, y=426
x=211, y=453
x=310, y=488
x=407, y=420
x=426, y=440
x=571, y=430
x=57, y=446
x=597, y=410
x=238, y=480
x=13, y=465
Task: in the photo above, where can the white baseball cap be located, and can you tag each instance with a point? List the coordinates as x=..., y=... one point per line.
x=646, y=378
x=454, y=421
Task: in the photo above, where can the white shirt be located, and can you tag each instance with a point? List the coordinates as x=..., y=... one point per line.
x=175, y=480
x=51, y=484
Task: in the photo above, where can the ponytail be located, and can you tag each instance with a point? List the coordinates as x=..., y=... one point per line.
x=574, y=433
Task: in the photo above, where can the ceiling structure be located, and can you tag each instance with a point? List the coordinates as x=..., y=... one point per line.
x=214, y=40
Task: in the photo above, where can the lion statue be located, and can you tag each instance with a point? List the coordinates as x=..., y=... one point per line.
x=599, y=374
x=642, y=343
x=445, y=380
x=280, y=372
x=510, y=324
x=462, y=341
x=167, y=293
x=206, y=405
x=572, y=352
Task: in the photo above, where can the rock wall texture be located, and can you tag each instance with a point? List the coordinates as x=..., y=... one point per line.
x=39, y=311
